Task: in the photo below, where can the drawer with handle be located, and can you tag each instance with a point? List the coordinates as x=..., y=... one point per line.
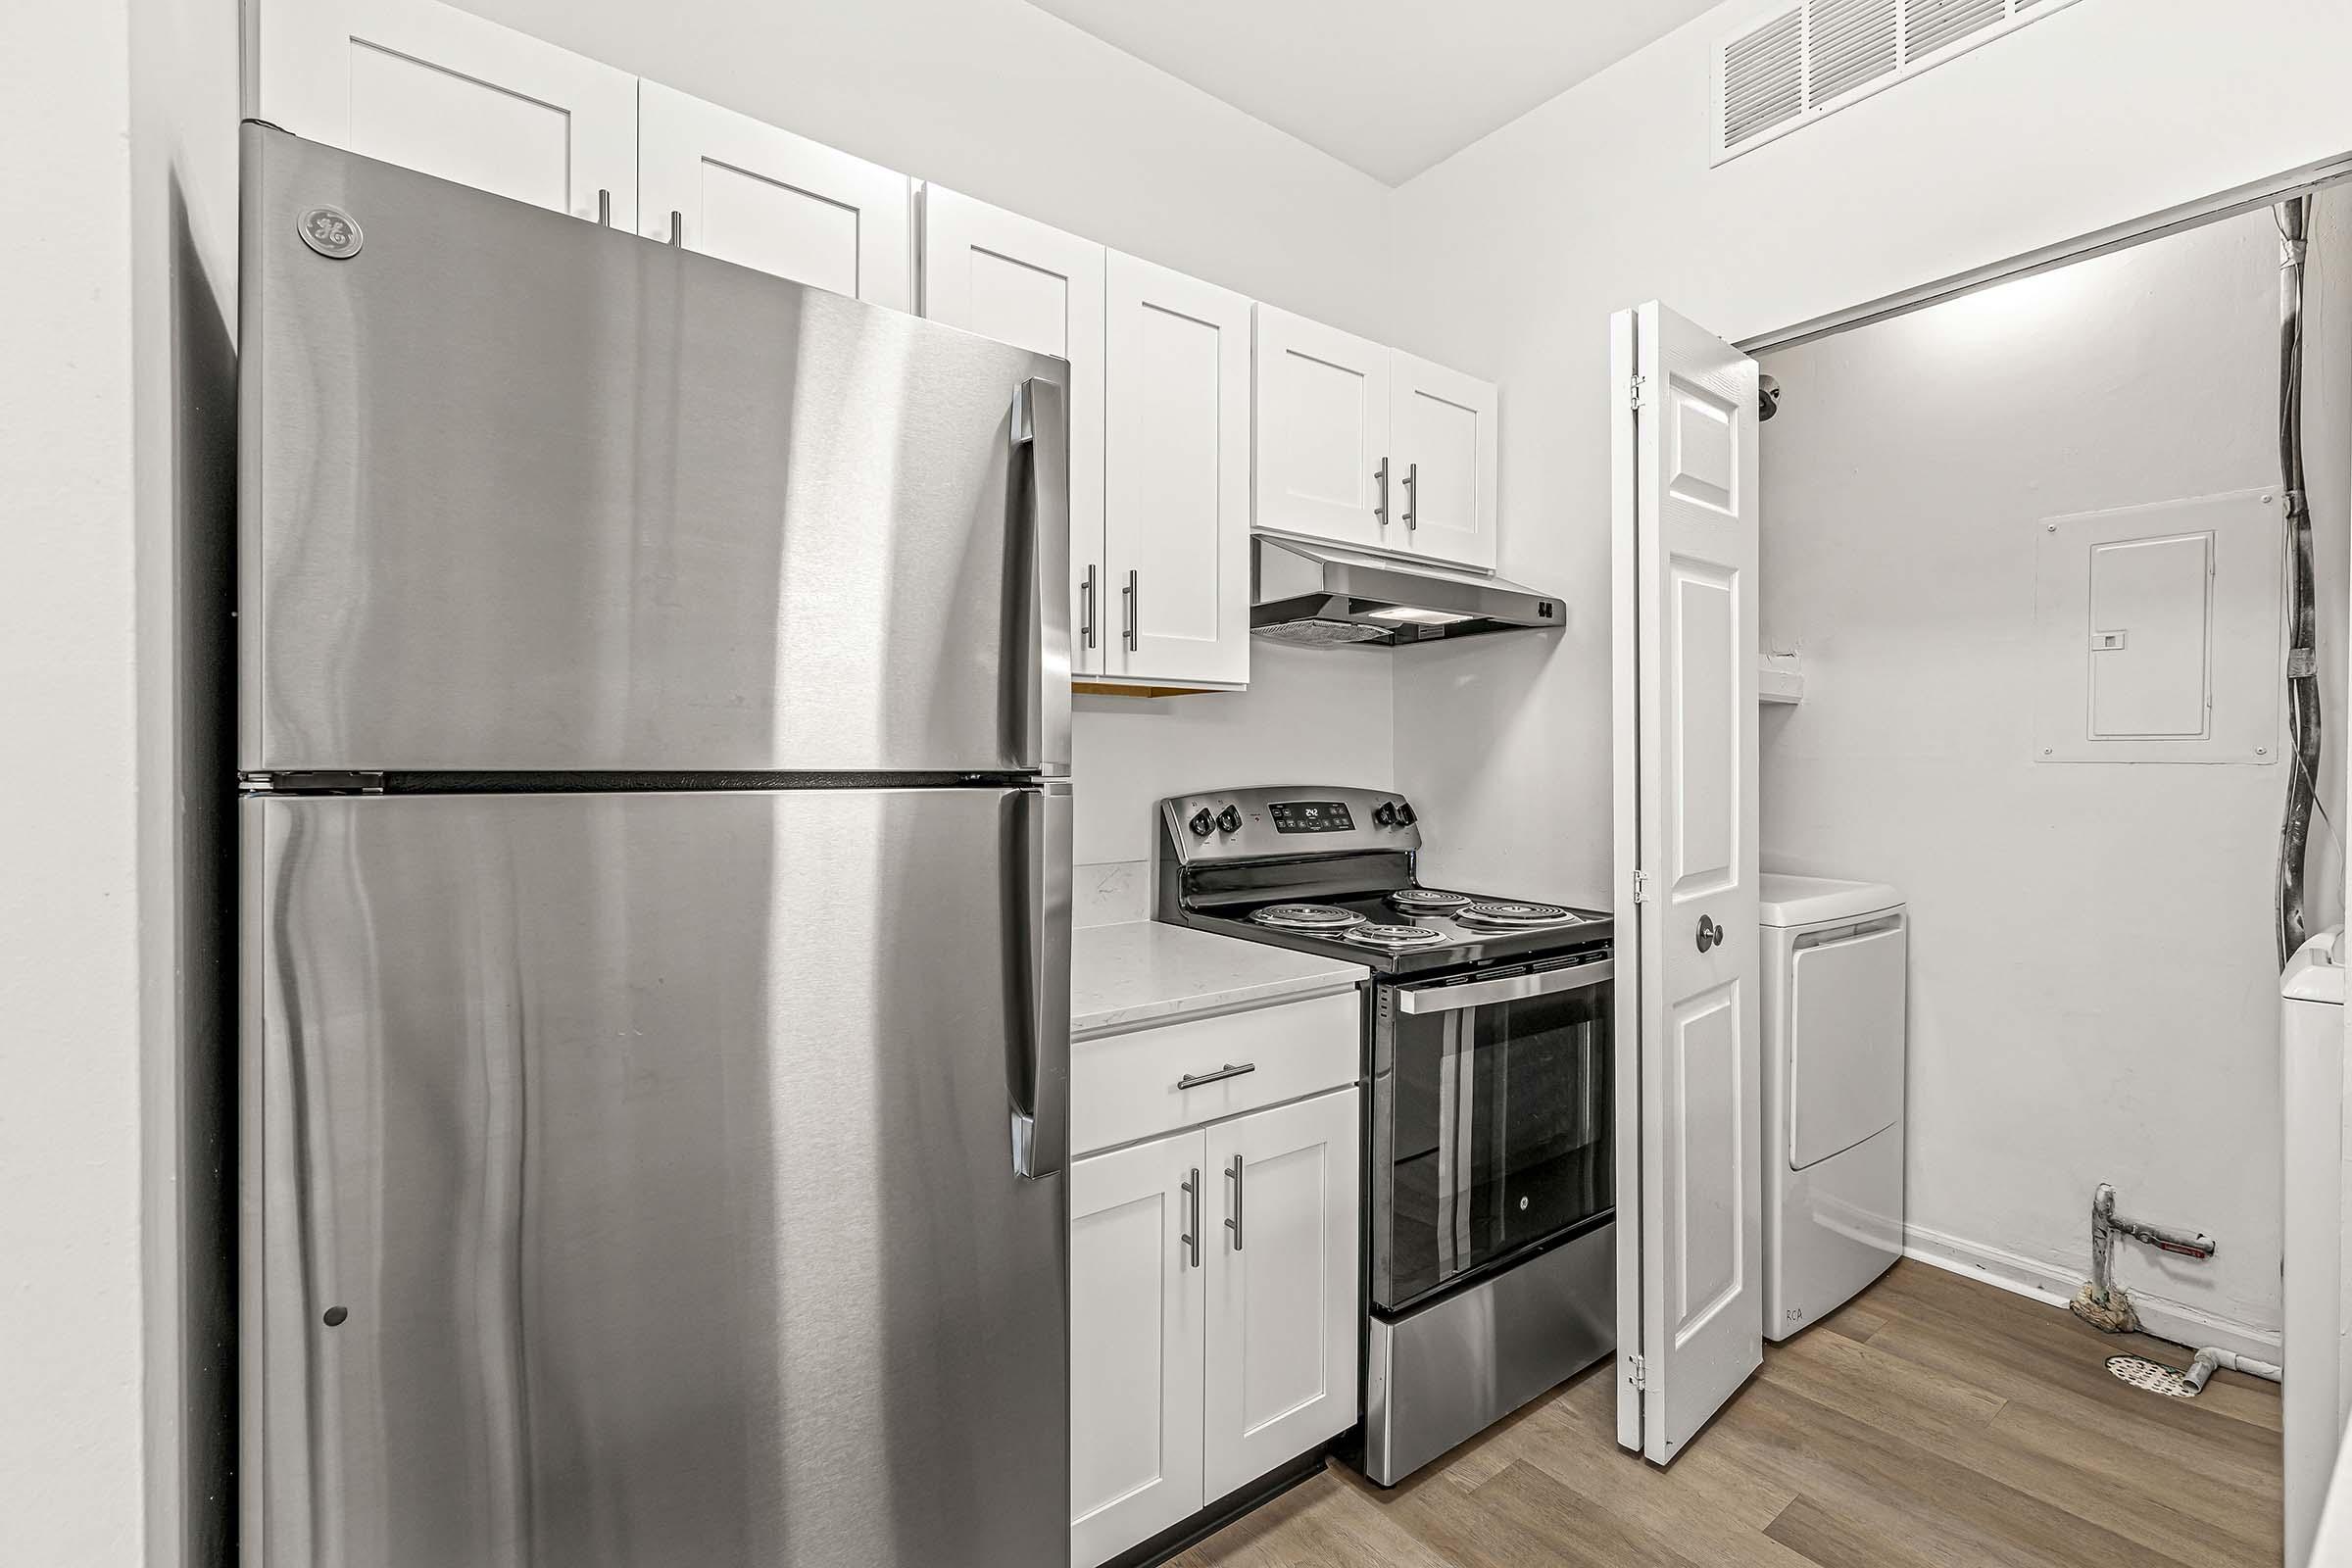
x=1156, y=1079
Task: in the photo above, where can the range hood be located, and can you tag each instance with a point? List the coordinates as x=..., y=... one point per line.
x=1322, y=596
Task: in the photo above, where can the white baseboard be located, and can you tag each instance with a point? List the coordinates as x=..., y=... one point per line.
x=2015, y=1272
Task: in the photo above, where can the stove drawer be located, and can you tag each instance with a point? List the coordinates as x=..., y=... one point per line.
x=1157, y=1079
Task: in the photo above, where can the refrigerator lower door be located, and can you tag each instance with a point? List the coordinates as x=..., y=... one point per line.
x=522, y=494
x=630, y=1181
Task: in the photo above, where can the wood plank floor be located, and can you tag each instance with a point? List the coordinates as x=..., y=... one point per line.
x=1935, y=1422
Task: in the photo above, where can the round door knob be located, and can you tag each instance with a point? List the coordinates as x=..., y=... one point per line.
x=1230, y=820
x=1385, y=813
x=1710, y=935
x=1202, y=824
x=1404, y=815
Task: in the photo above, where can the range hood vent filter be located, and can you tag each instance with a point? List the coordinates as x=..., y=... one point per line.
x=1324, y=595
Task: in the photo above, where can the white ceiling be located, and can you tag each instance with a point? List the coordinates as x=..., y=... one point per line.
x=1390, y=86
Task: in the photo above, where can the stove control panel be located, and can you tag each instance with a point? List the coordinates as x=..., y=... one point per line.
x=1317, y=816
x=1270, y=823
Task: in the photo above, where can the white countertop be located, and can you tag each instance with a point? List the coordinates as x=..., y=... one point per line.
x=1147, y=972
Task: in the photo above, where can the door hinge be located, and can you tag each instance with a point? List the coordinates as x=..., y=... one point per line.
x=1641, y=886
x=1632, y=391
x=1636, y=1372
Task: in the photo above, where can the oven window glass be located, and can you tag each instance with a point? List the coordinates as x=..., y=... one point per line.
x=1499, y=1134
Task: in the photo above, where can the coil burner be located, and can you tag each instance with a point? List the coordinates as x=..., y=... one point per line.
x=1396, y=936
x=1514, y=915
x=1307, y=918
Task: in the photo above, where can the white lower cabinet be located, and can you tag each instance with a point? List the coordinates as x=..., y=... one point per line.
x=1212, y=1315
x=1136, y=1301
x=1283, y=1317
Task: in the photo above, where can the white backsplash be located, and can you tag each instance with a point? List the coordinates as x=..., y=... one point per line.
x=1110, y=893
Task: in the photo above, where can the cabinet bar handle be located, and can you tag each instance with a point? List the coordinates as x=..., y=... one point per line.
x=1192, y=1216
x=1412, y=496
x=677, y=227
x=1086, y=609
x=1194, y=1080
x=1234, y=1173
x=1380, y=510
x=1132, y=615
x=604, y=207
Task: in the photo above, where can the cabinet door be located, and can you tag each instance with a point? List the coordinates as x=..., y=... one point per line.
x=734, y=187
x=1284, y=1313
x=1176, y=519
x=1136, y=1301
x=1322, y=433
x=1441, y=444
x=1011, y=278
x=442, y=91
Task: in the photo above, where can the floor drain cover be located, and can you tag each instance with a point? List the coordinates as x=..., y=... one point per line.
x=2153, y=1376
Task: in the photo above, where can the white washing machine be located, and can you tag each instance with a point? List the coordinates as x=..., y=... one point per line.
x=2316, y=1392
x=1833, y=959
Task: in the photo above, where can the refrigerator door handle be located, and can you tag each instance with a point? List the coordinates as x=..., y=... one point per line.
x=1041, y=424
x=1040, y=1087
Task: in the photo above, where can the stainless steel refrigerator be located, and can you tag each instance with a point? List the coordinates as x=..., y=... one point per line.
x=654, y=734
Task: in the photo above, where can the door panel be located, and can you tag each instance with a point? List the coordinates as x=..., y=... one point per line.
x=1176, y=531
x=1846, y=1043
x=1690, y=1310
x=1283, y=1318
x=629, y=1183
x=1004, y=276
x=1442, y=433
x=1322, y=432
x=439, y=90
x=734, y=187
x=542, y=497
x=1136, y=1303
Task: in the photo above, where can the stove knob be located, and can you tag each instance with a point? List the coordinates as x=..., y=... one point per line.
x=1230, y=820
x=1202, y=824
x=1385, y=813
x=1404, y=815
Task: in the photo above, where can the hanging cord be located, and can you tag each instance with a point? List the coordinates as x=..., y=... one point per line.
x=2294, y=218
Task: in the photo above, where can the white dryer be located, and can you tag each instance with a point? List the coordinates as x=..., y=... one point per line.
x=1833, y=960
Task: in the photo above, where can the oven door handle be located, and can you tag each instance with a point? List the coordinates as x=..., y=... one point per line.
x=1509, y=988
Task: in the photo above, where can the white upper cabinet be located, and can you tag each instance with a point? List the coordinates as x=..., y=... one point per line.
x=442, y=91
x=1021, y=283
x=1322, y=431
x=731, y=187
x=1137, y=1295
x=1368, y=447
x=1441, y=458
x=1176, y=521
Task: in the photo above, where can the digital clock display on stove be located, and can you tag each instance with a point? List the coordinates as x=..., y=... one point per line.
x=1312, y=816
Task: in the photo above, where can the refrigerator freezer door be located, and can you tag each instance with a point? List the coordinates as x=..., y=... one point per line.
x=630, y=1180
x=523, y=493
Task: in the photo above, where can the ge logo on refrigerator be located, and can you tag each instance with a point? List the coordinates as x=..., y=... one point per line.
x=332, y=232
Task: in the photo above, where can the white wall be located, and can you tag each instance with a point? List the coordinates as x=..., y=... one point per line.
x=184, y=69
x=1511, y=255
x=2092, y=969
x=71, y=1470
x=1002, y=101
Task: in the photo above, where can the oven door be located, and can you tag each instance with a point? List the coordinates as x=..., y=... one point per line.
x=1493, y=1126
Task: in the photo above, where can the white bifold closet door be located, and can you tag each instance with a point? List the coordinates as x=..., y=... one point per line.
x=1689, y=1313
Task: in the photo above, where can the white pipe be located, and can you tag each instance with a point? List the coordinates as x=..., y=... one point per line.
x=2232, y=1361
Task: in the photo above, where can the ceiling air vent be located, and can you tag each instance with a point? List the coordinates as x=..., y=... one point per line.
x=1798, y=65
x=1932, y=24
x=1853, y=42
x=1764, y=78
